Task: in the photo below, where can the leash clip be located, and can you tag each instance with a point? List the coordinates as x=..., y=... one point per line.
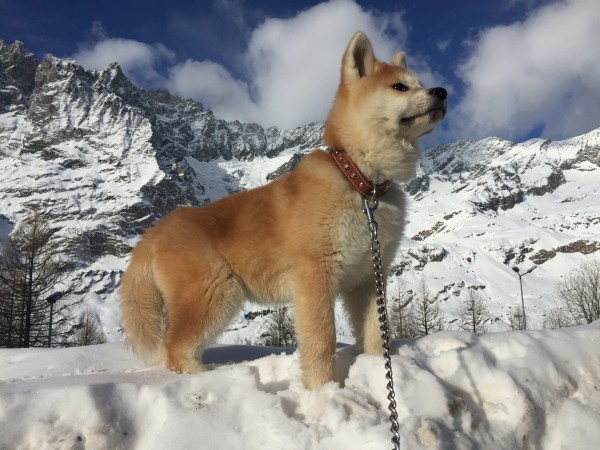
x=370, y=205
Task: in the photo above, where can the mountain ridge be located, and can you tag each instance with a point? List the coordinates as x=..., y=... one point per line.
x=105, y=159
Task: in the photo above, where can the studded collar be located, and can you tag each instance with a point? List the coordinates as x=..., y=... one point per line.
x=359, y=181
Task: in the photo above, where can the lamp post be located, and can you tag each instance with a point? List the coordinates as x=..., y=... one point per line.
x=521, y=275
x=52, y=299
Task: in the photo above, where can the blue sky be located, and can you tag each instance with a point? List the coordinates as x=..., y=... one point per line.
x=513, y=68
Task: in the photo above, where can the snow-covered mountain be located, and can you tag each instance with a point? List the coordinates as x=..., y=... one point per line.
x=481, y=208
x=105, y=159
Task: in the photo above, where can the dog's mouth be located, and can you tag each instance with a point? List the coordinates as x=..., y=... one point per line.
x=434, y=112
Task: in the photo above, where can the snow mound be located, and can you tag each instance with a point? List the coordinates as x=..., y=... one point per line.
x=512, y=390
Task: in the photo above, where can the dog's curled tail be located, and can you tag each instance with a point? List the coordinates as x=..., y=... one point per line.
x=142, y=306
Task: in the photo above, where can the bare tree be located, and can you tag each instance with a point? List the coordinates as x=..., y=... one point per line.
x=515, y=319
x=557, y=318
x=401, y=316
x=88, y=331
x=426, y=309
x=280, y=331
x=8, y=315
x=473, y=313
x=30, y=270
x=579, y=291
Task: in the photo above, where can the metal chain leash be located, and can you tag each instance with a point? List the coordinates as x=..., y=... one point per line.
x=370, y=205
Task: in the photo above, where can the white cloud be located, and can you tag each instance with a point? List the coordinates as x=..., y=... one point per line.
x=444, y=43
x=293, y=65
x=542, y=74
x=137, y=59
x=214, y=86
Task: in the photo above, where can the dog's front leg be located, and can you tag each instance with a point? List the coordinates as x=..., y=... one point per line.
x=315, y=327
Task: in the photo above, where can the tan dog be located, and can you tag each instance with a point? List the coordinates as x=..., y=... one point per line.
x=301, y=238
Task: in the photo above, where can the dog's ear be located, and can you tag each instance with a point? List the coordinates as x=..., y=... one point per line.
x=359, y=59
x=400, y=60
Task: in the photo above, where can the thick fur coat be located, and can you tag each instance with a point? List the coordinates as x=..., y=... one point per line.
x=302, y=238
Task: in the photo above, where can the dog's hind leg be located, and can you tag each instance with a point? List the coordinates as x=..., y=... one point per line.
x=198, y=313
x=362, y=308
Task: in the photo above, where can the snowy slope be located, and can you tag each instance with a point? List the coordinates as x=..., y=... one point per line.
x=96, y=153
x=492, y=205
x=478, y=209
x=455, y=390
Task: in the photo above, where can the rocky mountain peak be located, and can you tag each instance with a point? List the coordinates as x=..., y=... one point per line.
x=53, y=69
x=105, y=159
x=17, y=74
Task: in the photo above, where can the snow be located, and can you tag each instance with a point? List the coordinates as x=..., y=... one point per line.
x=224, y=177
x=479, y=243
x=536, y=389
x=5, y=229
x=507, y=390
x=95, y=154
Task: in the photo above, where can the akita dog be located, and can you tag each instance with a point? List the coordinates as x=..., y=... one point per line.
x=302, y=238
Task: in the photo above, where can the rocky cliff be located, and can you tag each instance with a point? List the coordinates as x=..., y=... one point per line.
x=105, y=159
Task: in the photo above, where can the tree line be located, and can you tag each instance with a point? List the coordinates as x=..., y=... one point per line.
x=578, y=292
x=34, y=269
x=579, y=298
x=414, y=314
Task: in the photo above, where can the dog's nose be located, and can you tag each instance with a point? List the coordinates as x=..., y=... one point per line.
x=439, y=92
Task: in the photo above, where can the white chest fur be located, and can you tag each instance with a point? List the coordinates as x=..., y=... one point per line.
x=351, y=236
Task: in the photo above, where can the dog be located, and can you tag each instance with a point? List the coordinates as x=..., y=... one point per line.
x=302, y=238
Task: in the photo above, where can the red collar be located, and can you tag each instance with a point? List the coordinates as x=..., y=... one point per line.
x=364, y=186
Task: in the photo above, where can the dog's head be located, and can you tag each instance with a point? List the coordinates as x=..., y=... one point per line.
x=380, y=107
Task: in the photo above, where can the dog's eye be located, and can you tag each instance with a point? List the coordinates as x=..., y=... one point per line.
x=400, y=87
